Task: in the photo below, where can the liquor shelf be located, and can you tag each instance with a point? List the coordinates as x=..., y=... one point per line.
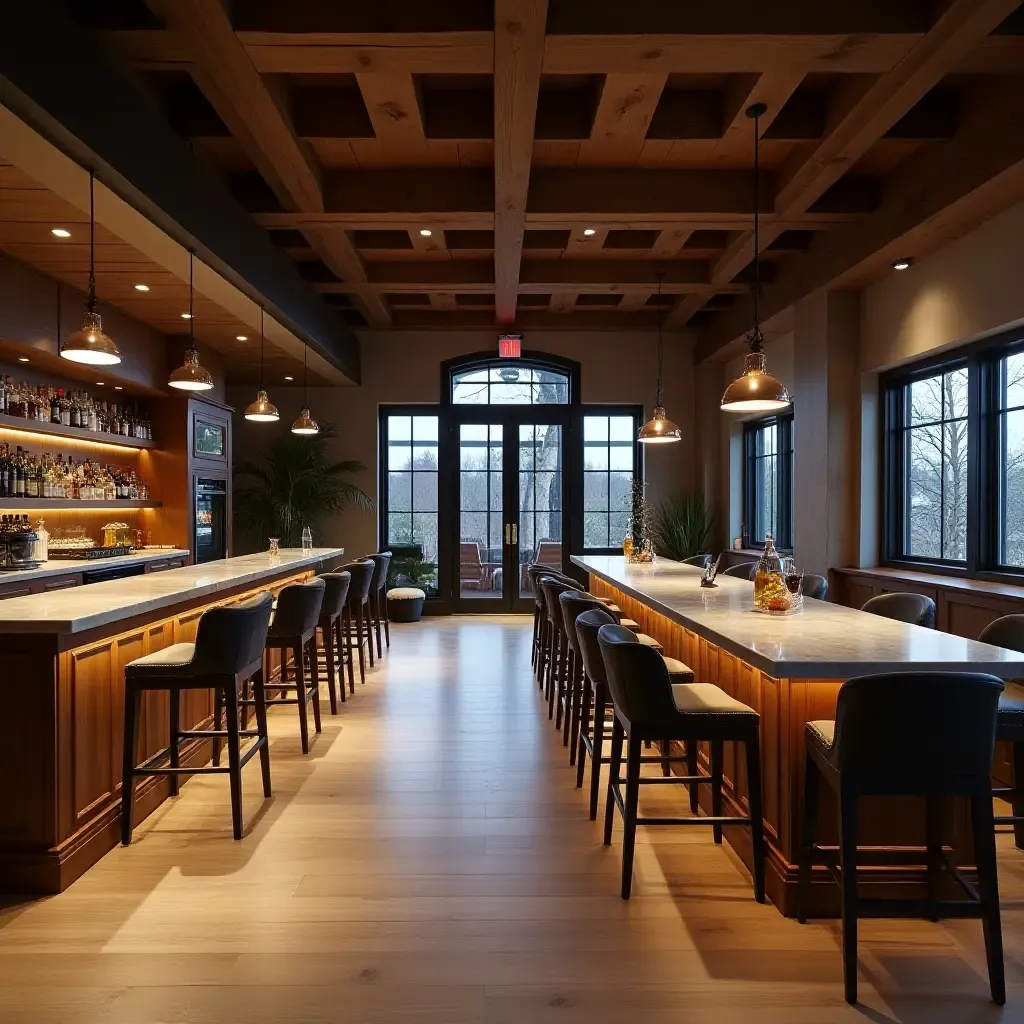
x=72, y=433
x=37, y=504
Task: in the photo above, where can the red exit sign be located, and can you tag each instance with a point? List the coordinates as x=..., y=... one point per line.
x=510, y=346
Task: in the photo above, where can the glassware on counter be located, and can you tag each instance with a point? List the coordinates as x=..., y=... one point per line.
x=770, y=591
x=307, y=540
x=275, y=548
x=117, y=535
x=42, y=551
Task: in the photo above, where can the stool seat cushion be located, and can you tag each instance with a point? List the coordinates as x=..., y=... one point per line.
x=648, y=641
x=631, y=624
x=406, y=594
x=706, y=699
x=678, y=672
x=610, y=605
x=175, y=656
x=821, y=735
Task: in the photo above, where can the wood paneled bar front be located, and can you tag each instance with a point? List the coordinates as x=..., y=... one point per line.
x=790, y=670
x=63, y=699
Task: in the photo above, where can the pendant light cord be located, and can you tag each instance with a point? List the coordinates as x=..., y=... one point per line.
x=305, y=374
x=755, y=112
x=191, y=306
x=661, y=317
x=262, y=345
x=58, y=316
x=91, y=301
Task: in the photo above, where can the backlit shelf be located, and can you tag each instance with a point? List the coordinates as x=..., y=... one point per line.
x=11, y=424
x=35, y=504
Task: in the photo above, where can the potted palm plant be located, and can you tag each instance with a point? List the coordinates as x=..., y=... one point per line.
x=682, y=526
x=295, y=484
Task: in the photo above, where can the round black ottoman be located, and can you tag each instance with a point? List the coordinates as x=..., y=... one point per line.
x=405, y=604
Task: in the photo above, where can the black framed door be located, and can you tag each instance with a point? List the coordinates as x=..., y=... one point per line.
x=508, y=501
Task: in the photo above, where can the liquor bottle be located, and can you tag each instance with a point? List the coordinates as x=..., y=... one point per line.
x=3, y=471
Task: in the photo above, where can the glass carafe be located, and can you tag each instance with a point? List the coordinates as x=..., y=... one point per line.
x=770, y=591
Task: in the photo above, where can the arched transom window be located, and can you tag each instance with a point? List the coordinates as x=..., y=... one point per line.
x=508, y=383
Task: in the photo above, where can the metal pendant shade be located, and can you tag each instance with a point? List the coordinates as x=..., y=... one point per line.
x=191, y=375
x=659, y=429
x=756, y=390
x=89, y=344
x=262, y=410
x=305, y=424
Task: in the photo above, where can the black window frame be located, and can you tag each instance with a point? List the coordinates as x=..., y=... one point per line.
x=982, y=360
x=783, y=423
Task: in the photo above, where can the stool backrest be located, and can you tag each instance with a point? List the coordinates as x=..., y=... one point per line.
x=336, y=586
x=573, y=605
x=587, y=626
x=743, y=571
x=533, y=573
x=551, y=587
x=815, y=586
x=701, y=561
x=231, y=639
x=637, y=678
x=917, y=729
x=915, y=609
x=381, y=562
x=362, y=575
x=1006, y=632
x=298, y=608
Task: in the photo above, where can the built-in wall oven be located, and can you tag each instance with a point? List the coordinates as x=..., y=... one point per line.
x=210, y=528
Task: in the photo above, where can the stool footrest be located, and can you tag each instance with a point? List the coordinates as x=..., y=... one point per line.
x=694, y=820
x=215, y=733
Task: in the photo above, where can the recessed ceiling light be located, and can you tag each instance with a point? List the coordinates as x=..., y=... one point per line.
x=425, y=232
x=589, y=231
x=901, y=264
x=22, y=359
x=241, y=337
x=186, y=316
x=289, y=378
x=60, y=232
x=100, y=383
x=117, y=387
x=142, y=287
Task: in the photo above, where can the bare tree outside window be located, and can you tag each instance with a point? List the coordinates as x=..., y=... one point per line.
x=1011, y=450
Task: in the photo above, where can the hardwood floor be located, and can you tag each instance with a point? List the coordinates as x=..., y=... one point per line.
x=431, y=860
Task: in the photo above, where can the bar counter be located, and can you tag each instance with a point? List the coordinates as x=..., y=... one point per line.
x=63, y=698
x=790, y=668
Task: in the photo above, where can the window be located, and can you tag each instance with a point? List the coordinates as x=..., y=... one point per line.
x=768, y=481
x=410, y=498
x=506, y=383
x=609, y=465
x=954, y=461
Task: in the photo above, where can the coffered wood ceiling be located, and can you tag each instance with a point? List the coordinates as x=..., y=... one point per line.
x=507, y=131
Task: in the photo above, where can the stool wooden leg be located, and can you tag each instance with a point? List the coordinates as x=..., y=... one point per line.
x=339, y=649
x=259, y=691
x=716, y=787
x=542, y=641
x=300, y=679
x=331, y=680
x=346, y=628
x=1017, y=798
x=569, y=690
x=933, y=832
x=376, y=623
x=359, y=643
x=234, y=758
x=364, y=611
x=218, y=706
x=174, y=721
x=848, y=870
x=666, y=751
x=754, y=801
x=384, y=618
x=533, y=641
x=132, y=706
x=691, y=770
x=584, y=728
x=314, y=672
x=615, y=759
x=595, y=762
x=988, y=891
x=632, y=801
x=810, y=823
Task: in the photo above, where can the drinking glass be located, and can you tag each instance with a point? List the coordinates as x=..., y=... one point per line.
x=275, y=548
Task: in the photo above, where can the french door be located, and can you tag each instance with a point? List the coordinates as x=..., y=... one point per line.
x=510, y=502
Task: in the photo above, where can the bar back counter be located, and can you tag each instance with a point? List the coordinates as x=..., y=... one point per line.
x=790, y=670
x=63, y=699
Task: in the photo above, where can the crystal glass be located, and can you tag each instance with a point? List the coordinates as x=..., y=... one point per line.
x=275, y=546
x=770, y=591
x=307, y=539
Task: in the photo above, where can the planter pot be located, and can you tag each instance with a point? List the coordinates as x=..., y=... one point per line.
x=405, y=604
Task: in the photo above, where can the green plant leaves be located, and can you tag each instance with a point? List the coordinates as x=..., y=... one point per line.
x=682, y=526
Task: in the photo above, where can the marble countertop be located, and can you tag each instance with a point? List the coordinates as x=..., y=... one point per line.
x=82, y=608
x=63, y=566
x=824, y=641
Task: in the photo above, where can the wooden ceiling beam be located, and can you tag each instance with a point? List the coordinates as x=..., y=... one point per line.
x=519, y=27
x=562, y=302
x=335, y=248
x=623, y=116
x=669, y=242
x=394, y=105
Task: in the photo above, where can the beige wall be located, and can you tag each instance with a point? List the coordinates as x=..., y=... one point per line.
x=404, y=366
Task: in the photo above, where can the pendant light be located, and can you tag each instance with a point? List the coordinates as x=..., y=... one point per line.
x=756, y=390
x=89, y=344
x=305, y=424
x=659, y=429
x=191, y=375
x=262, y=410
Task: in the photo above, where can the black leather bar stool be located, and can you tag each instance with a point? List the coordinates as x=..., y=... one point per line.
x=929, y=735
x=597, y=706
x=915, y=609
x=743, y=571
x=335, y=641
x=649, y=707
x=701, y=561
x=294, y=629
x=358, y=609
x=1008, y=632
x=533, y=572
x=557, y=653
x=378, y=600
x=226, y=655
x=815, y=586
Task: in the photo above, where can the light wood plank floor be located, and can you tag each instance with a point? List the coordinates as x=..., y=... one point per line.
x=431, y=860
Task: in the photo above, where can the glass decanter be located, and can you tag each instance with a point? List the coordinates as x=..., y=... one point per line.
x=770, y=591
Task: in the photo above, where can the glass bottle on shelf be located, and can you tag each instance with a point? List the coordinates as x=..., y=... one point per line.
x=770, y=591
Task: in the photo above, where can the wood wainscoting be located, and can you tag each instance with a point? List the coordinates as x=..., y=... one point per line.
x=61, y=739
x=785, y=705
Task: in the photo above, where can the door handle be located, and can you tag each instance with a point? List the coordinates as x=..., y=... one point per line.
x=508, y=533
x=515, y=533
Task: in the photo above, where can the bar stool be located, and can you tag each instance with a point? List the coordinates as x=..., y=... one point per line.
x=294, y=629
x=596, y=707
x=377, y=601
x=357, y=608
x=929, y=735
x=743, y=571
x=649, y=707
x=1008, y=632
x=815, y=587
x=701, y=561
x=556, y=653
x=227, y=654
x=915, y=609
x=533, y=571
x=332, y=610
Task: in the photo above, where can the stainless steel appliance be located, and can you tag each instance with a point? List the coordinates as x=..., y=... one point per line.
x=210, y=527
